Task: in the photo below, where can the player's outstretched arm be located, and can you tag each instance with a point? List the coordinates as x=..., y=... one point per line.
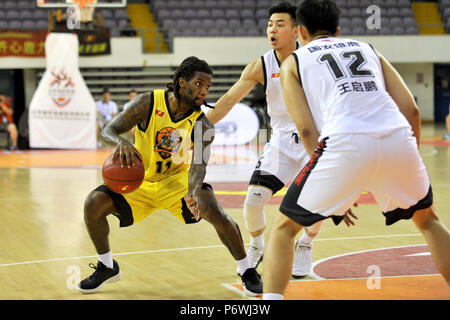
x=137, y=112
x=252, y=74
x=297, y=105
x=400, y=93
x=203, y=137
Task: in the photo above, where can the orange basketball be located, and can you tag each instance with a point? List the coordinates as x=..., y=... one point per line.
x=122, y=180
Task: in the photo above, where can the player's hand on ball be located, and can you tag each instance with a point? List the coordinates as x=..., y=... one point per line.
x=126, y=153
x=192, y=204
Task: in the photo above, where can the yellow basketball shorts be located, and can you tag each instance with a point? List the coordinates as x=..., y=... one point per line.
x=139, y=204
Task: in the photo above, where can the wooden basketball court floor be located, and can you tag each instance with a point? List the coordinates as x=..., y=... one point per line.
x=45, y=249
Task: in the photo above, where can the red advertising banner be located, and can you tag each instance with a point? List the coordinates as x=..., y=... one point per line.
x=22, y=43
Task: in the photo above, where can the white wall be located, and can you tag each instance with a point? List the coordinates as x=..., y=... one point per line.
x=410, y=55
x=420, y=79
x=239, y=51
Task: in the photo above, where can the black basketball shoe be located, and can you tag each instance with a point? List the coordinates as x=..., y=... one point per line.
x=101, y=275
x=251, y=281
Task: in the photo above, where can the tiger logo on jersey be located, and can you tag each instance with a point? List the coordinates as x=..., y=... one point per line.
x=168, y=142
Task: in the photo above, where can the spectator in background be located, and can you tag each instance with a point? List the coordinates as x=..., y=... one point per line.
x=99, y=22
x=6, y=121
x=106, y=111
x=129, y=30
x=57, y=21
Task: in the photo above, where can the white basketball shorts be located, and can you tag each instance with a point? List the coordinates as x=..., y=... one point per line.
x=343, y=166
x=283, y=157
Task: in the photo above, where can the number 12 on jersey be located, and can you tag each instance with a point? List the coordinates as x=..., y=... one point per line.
x=354, y=67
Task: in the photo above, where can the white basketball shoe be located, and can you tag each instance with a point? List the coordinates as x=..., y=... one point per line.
x=301, y=266
x=255, y=256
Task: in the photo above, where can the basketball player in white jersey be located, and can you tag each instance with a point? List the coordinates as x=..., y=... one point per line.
x=284, y=155
x=369, y=138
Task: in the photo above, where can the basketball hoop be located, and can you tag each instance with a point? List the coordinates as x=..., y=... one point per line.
x=82, y=4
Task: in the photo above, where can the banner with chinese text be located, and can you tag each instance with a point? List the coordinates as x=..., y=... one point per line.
x=94, y=43
x=23, y=43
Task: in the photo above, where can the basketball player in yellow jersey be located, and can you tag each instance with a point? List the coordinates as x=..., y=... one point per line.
x=168, y=125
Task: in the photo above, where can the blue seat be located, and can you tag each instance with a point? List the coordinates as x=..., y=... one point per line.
x=393, y=12
x=195, y=23
x=395, y=21
x=172, y=4
x=214, y=32
x=28, y=25
x=398, y=30
x=353, y=3
x=223, y=4
x=409, y=21
x=188, y=33
x=247, y=13
x=24, y=4
x=232, y=13
x=9, y=4
x=121, y=14
x=234, y=23
x=358, y=30
x=356, y=22
x=217, y=13
x=201, y=33
x=106, y=13
x=404, y=3
x=14, y=25
x=227, y=33
x=222, y=23
x=40, y=14
x=41, y=24
x=164, y=14
x=201, y=14
x=210, y=4
x=412, y=30
x=12, y=14
x=208, y=23
x=177, y=13
x=386, y=30
x=182, y=23
x=169, y=23
x=249, y=23
x=191, y=13
x=254, y=32
x=354, y=12
x=235, y=4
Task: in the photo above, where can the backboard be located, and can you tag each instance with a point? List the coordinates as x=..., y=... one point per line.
x=66, y=3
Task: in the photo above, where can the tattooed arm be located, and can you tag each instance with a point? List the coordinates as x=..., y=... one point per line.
x=136, y=112
x=203, y=137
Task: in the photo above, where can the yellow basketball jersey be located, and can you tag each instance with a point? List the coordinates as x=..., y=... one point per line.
x=166, y=142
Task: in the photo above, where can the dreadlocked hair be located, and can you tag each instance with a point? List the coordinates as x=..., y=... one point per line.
x=187, y=70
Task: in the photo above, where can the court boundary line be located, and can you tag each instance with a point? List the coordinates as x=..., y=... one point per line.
x=189, y=248
x=318, y=278
x=242, y=293
x=315, y=263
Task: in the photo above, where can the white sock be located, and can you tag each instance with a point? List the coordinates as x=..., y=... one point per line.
x=106, y=259
x=272, y=296
x=258, y=241
x=243, y=265
x=306, y=239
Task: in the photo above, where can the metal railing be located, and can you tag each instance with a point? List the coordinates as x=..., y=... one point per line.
x=156, y=40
